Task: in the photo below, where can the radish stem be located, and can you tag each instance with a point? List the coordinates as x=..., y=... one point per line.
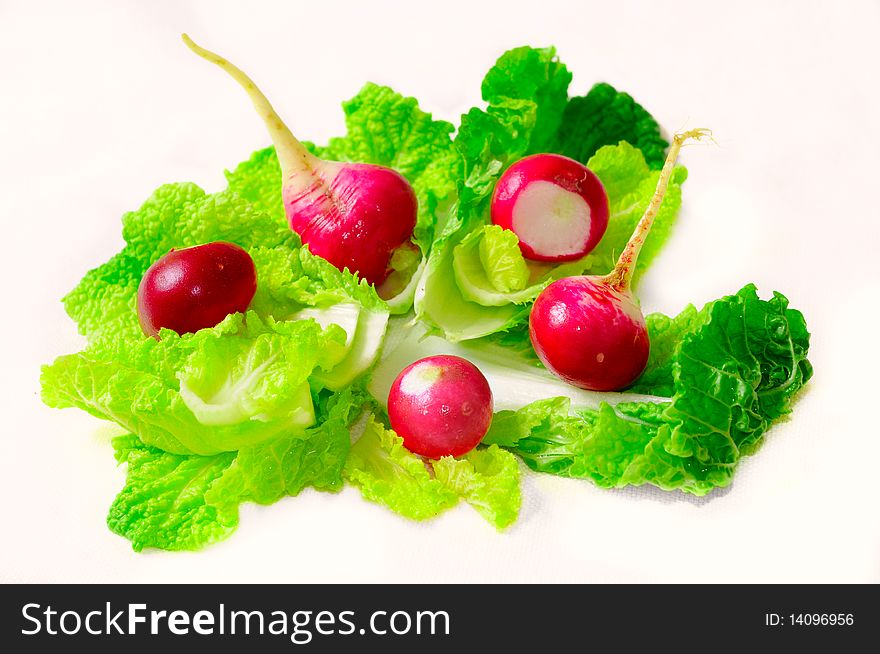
x=292, y=155
x=621, y=277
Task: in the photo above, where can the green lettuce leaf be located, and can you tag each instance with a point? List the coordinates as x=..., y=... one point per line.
x=389, y=474
x=501, y=259
x=736, y=367
x=490, y=269
x=487, y=479
x=104, y=303
x=267, y=472
x=163, y=502
x=185, y=502
x=534, y=75
x=665, y=334
x=605, y=117
x=237, y=384
x=291, y=279
x=489, y=266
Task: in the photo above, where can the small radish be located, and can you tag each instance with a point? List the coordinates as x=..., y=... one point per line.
x=354, y=215
x=194, y=288
x=590, y=331
x=557, y=207
x=441, y=406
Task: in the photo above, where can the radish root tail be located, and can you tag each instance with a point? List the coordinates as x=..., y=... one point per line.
x=292, y=155
x=621, y=277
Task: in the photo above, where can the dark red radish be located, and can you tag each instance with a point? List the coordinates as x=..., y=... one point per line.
x=441, y=406
x=355, y=215
x=556, y=206
x=194, y=288
x=590, y=330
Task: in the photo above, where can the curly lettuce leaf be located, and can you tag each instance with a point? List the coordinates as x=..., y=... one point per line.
x=665, y=333
x=267, y=472
x=605, y=116
x=104, y=303
x=534, y=75
x=163, y=503
x=736, y=367
x=292, y=279
x=237, y=384
x=259, y=375
x=487, y=479
x=388, y=473
x=185, y=502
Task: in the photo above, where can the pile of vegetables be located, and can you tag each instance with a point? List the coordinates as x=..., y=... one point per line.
x=414, y=307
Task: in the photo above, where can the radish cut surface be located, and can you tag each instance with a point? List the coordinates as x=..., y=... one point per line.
x=553, y=222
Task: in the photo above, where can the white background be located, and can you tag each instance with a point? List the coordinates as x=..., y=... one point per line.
x=101, y=103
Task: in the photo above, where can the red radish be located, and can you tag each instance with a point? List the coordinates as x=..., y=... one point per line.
x=354, y=215
x=557, y=207
x=590, y=331
x=194, y=288
x=441, y=406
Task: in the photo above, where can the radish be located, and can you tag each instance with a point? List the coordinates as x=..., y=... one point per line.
x=355, y=215
x=195, y=288
x=441, y=406
x=556, y=206
x=590, y=331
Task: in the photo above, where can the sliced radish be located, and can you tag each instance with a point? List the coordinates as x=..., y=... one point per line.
x=556, y=206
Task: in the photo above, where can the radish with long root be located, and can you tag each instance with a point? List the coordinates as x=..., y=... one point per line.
x=355, y=215
x=590, y=330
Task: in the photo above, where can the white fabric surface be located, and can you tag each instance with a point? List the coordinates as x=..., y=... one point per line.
x=102, y=103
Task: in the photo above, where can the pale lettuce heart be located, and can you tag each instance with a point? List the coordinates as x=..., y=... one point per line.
x=491, y=271
x=364, y=351
x=345, y=315
x=365, y=333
